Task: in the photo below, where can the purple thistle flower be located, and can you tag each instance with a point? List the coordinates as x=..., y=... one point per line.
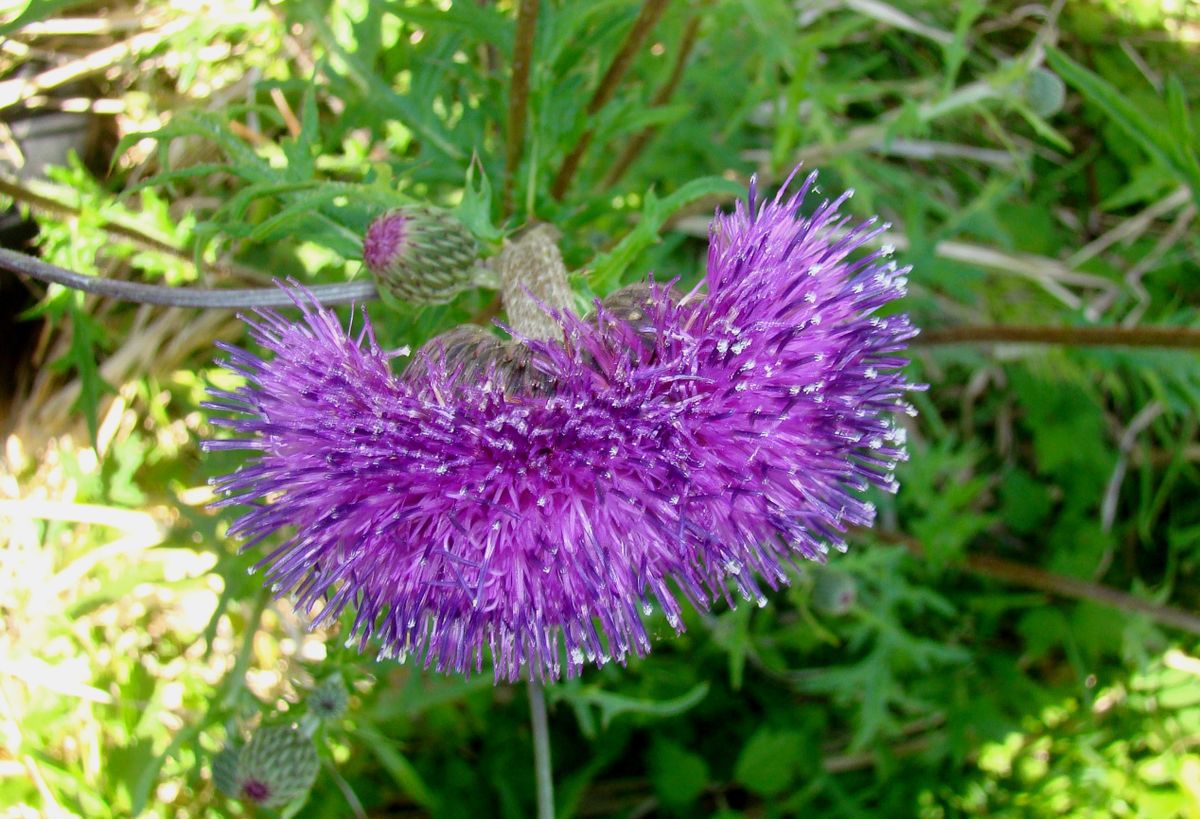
x=679, y=446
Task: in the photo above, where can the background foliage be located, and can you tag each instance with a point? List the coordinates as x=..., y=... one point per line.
x=1013, y=640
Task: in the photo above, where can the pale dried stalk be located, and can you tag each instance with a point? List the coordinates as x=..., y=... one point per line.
x=13, y=91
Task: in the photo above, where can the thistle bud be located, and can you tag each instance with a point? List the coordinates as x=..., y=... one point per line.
x=470, y=354
x=329, y=699
x=834, y=592
x=421, y=255
x=1044, y=92
x=278, y=765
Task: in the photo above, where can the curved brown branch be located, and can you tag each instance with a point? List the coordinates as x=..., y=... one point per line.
x=639, y=142
x=1173, y=337
x=647, y=18
x=518, y=95
x=1008, y=571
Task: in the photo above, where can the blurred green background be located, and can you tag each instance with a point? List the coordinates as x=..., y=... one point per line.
x=1016, y=638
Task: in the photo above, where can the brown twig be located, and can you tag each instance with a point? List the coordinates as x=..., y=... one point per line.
x=1063, y=586
x=1171, y=337
x=639, y=142
x=1008, y=571
x=518, y=96
x=285, y=110
x=647, y=18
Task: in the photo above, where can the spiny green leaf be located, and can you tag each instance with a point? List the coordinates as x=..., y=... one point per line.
x=613, y=705
x=86, y=337
x=608, y=268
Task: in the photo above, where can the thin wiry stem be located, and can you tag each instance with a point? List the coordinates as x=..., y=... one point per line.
x=518, y=95
x=1172, y=337
x=240, y=298
x=647, y=18
x=541, y=750
x=639, y=142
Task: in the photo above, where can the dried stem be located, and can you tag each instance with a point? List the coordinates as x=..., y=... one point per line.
x=13, y=91
x=1060, y=585
x=239, y=298
x=1063, y=586
x=1172, y=337
x=639, y=142
x=518, y=95
x=647, y=18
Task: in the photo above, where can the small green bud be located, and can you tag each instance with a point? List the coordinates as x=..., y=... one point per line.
x=834, y=592
x=1044, y=92
x=421, y=255
x=329, y=699
x=278, y=765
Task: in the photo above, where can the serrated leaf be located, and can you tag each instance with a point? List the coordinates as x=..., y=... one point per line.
x=769, y=761
x=679, y=776
x=86, y=336
x=400, y=107
x=613, y=705
x=475, y=207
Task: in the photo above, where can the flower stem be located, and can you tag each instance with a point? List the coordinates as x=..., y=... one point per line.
x=634, y=148
x=647, y=18
x=242, y=298
x=518, y=95
x=541, y=751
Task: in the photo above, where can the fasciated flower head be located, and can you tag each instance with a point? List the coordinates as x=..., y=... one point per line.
x=697, y=443
x=421, y=254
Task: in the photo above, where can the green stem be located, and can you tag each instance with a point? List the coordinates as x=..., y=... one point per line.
x=240, y=298
x=541, y=751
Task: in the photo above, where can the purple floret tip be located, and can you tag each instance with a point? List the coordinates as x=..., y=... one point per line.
x=688, y=450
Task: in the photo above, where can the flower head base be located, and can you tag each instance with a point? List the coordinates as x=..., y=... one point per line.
x=668, y=446
x=421, y=255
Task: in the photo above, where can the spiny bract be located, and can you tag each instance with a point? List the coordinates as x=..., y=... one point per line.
x=694, y=444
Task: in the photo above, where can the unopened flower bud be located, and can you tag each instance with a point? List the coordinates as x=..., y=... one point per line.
x=278, y=765
x=421, y=255
x=329, y=699
x=470, y=355
x=834, y=592
x=1044, y=92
